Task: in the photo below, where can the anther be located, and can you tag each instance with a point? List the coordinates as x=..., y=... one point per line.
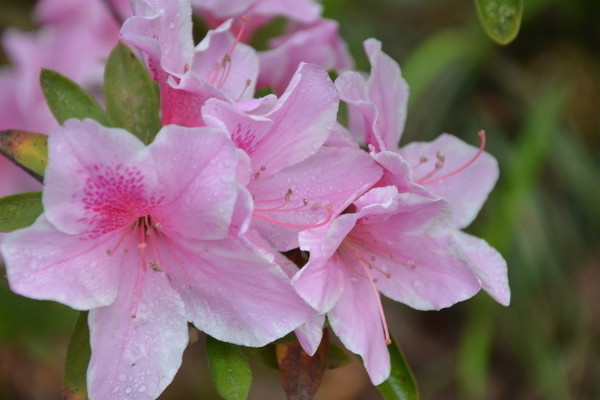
x=288, y=195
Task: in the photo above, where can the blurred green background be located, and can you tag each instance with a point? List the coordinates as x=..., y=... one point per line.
x=538, y=100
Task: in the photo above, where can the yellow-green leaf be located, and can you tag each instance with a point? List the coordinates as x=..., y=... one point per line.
x=19, y=210
x=26, y=149
x=131, y=95
x=74, y=385
x=501, y=19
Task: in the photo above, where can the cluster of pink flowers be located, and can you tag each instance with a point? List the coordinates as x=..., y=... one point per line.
x=193, y=226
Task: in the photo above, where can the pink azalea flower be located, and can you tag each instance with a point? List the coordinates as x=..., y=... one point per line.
x=394, y=244
x=219, y=66
x=142, y=241
x=295, y=182
x=75, y=40
x=446, y=168
x=258, y=12
x=318, y=43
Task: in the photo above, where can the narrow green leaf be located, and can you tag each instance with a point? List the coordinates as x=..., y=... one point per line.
x=229, y=368
x=19, y=210
x=132, y=99
x=401, y=384
x=501, y=19
x=26, y=149
x=74, y=385
x=66, y=99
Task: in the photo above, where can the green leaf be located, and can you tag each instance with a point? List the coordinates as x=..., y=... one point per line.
x=229, y=368
x=66, y=99
x=132, y=99
x=336, y=357
x=19, y=210
x=74, y=385
x=26, y=149
x=401, y=384
x=501, y=19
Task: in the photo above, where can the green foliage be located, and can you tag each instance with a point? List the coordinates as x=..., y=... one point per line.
x=19, y=210
x=66, y=99
x=500, y=19
x=229, y=368
x=74, y=385
x=131, y=95
x=401, y=384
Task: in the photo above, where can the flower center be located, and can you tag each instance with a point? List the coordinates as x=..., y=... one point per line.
x=441, y=159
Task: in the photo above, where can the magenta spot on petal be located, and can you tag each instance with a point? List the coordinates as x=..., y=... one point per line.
x=244, y=140
x=114, y=197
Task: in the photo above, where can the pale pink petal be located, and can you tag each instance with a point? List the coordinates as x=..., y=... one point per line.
x=138, y=341
x=163, y=32
x=340, y=137
x=389, y=91
x=382, y=99
x=321, y=281
x=43, y=263
x=356, y=321
x=81, y=188
x=310, y=193
x=302, y=119
x=258, y=12
x=200, y=177
x=246, y=131
x=466, y=190
x=237, y=78
x=233, y=293
x=310, y=333
x=318, y=43
x=396, y=171
x=410, y=250
x=489, y=266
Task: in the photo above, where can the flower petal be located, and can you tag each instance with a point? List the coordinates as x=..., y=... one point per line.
x=467, y=190
x=321, y=281
x=138, y=341
x=490, y=267
x=356, y=321
x=234, y=294
x=91, y=171
x=198, y=180
x=310, y=193
x=43, y=263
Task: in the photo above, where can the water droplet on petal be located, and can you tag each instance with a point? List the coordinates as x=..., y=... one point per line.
x=416, y=284
x=142, y=389
x=127, y=390
x=122, y=377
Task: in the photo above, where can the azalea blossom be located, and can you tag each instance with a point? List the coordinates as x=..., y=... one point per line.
x=296, y=182
x=448, y=168
x=218, y=67
x=140, y=236
x=258, y=12
x=393, y=243
x=318, y=43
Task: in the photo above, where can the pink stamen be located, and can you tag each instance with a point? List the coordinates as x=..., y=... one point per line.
x=424, y=180
x=366, y=266
x=290, y=225
x=238, y=38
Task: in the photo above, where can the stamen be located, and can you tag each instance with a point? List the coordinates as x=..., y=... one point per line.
x=424, y=181
x=238, y=38
x=248, y=82
x=290, y=225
